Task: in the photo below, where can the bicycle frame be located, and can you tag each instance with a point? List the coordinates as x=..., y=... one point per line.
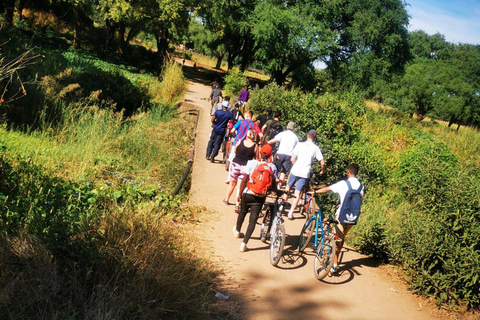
x=318, y=221
x=323, y=244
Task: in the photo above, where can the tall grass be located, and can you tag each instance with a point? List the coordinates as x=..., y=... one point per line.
x=173, y=82
x=88, y=229
x=144, y=269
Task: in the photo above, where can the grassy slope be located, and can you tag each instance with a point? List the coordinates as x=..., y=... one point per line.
x=84, y=204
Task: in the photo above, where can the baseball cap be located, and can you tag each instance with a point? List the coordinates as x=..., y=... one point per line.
x=291, y=125
x=266, y=150
x=225, y=104
x=312, y=133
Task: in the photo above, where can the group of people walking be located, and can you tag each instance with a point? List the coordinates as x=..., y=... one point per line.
x=263, y=154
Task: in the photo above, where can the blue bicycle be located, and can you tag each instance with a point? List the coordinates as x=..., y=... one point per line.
x=324, y=241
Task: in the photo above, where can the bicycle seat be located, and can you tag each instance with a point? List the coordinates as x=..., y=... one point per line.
x=332, y=220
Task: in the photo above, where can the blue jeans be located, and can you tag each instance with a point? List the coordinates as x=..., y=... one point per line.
x=214, y=144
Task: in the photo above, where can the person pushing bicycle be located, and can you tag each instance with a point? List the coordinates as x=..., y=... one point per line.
x=303, y=156
x=347, y=189
x=261, y=177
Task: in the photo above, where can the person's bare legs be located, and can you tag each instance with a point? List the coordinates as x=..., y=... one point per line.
x=294, y=204
x=241, y=186
x=281, y=179
x=230, y=189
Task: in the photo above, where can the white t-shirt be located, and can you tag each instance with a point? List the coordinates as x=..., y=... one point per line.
x=287, y=142
x=252, y=164
x=341, y=189
x=306, y=152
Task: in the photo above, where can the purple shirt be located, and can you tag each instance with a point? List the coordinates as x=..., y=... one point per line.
x=244, y=95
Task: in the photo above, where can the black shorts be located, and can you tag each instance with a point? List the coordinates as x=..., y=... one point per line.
x=283, y=163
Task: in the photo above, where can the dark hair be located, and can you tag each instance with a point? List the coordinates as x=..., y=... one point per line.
x=278, y=114
x=227, y=98
x=353, y=168
x=268, y=111
x=237, y=105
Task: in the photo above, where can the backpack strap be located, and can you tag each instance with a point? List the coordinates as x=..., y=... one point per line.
x=349, y=185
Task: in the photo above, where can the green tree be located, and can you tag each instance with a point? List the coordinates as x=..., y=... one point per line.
x=206, y=42
x=423, y=45
x=370, y=39
x=436, y=88
x=230, y=21
x=287, y=38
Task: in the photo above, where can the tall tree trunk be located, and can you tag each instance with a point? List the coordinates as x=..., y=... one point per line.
x=111, y=27
x=246, y=53
x=21, y=5
x=76, y=28
x=9, y=7
x=121, y=37
x=231, y=57
x=219, y=60
x=162, y=43
x=452, y=121
x=132, y=33
x=280, y=76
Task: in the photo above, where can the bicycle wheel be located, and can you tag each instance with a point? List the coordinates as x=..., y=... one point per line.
x=306, y=234
x=312, y=209
x=266, y=225
x=324, y=254
x=277, y=244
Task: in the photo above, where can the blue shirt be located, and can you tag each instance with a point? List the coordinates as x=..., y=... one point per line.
x=221, y=121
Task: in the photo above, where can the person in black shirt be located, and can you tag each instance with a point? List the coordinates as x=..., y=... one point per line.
x=263, y=118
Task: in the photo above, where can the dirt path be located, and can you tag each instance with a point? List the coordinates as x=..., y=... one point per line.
x=360, y=291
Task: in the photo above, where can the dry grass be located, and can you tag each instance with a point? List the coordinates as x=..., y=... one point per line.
x=146, y=271
x=172, y=85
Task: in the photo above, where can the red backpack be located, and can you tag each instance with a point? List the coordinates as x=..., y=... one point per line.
x=261, y=179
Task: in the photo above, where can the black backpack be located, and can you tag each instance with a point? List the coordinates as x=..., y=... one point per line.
x=350, y=210
x=274, y=128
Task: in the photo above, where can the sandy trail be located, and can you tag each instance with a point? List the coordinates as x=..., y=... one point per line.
x=360, y=291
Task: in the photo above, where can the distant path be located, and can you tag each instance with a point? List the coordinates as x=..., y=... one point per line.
x=360, y=291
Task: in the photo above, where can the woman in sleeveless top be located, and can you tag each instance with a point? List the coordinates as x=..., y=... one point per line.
x=244, y=150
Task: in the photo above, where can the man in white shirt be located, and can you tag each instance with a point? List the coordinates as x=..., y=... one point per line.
x=341, y=188
x=287, y=140
x=303, y=156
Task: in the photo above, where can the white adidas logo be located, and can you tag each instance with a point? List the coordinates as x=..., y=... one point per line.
x=351, y=217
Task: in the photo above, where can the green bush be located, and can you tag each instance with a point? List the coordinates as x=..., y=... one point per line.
x=422, y=207
x=235, y=81
x=336, y=119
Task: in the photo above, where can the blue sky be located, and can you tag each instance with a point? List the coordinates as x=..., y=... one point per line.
x=457, y=20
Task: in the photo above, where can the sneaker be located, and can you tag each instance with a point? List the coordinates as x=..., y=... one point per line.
x=243, y=247
x=236, y=234
x=225, y=202
x=290, y=215
x=334, y=268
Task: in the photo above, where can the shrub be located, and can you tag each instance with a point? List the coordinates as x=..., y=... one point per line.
x=235, y=81
x=336, y=119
